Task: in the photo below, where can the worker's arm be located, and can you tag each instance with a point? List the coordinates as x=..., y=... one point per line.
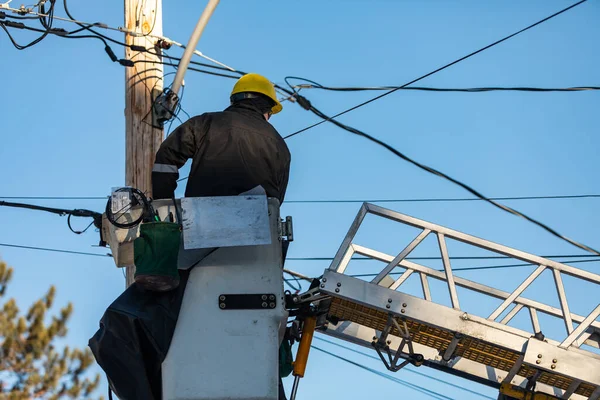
x=173, y=153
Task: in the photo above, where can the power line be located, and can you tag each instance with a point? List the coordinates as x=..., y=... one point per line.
x=431, y=170
x=414, y=200
x=455, y=181
x=316, y=85
x=420, y=389
x=407, y=369
x=86, y=25
x=306, y=104
x=437, y=70
x=356, y=275
x=54, y=250
x=54, y=197
x=371, y=275
x=45, y=20
x=439, y=258
x=96, y=216
x=481, y=268
x=423, y=200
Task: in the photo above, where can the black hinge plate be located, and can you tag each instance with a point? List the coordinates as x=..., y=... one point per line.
x=260, y=301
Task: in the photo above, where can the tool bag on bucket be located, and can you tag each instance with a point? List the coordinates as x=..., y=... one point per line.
x=155, y=254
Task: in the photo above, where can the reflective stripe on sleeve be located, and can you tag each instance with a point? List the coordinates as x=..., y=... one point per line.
x=172, y=169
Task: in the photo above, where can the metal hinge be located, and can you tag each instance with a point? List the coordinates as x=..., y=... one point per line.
x=286, y=229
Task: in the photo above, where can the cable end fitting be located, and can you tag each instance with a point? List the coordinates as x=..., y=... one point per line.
x=18, y=25
x=138, y=48
x=111, y=53
x=126, y=63
x=59, y=31
x=303, y=101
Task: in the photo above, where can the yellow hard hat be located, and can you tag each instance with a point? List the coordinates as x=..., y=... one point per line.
x=256, y=83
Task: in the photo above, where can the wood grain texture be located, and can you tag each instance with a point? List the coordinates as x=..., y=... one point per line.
x=143, y=83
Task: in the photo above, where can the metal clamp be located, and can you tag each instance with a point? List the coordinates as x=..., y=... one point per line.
x=381, y=344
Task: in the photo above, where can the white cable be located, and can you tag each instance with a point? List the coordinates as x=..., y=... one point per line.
x=192, y=43
x=199, y=53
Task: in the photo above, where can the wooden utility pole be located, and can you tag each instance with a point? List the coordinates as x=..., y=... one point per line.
x=143, y=83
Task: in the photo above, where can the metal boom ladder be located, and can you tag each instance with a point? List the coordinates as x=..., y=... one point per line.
x=407, y=329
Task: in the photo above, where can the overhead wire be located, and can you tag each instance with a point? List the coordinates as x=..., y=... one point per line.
x=407, y=384
x=447, y=199
x=306, y=104
x=406, y=369
x=457, y=182
x=88, y=28
x=316, y=85
x=486, y=267
x=325, y=118
x=438, y=69
x=46, y=22
x=304, y=277
x=96, y=217
x=63, y=34
x=440, y=258
x=320, y=201
x=54, y=250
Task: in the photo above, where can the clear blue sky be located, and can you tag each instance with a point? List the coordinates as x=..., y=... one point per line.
x=63, y=135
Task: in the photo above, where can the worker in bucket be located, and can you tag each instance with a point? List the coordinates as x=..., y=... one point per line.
x=233, y=151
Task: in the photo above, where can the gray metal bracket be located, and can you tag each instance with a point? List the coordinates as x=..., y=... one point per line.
x=545, y=356
x=309, y=296
x=382, y=344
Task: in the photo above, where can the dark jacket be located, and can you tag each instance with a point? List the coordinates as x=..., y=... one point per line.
x=233, y=151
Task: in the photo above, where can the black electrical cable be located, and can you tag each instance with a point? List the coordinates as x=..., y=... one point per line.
x=189, y=68
x=405, y=369
x=432, y=89
x=16, y=246
x=481, y=197
x=436, y=200
x=410, y=385
x=457, y=182
x=200, y=64
x=437, y=70
x=58, y=211
x=137, y=197
x=83, y=26
x=484, y=267
x=5, y=15
x=73, y=230
x=415, y=200
x=20, y=25
x=54, y=197
x=96, y=217
x=308, y=106
x=431, y=170
x=65, y=34
x=439, y=258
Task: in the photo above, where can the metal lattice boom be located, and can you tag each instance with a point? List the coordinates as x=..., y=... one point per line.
x=481, y=348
